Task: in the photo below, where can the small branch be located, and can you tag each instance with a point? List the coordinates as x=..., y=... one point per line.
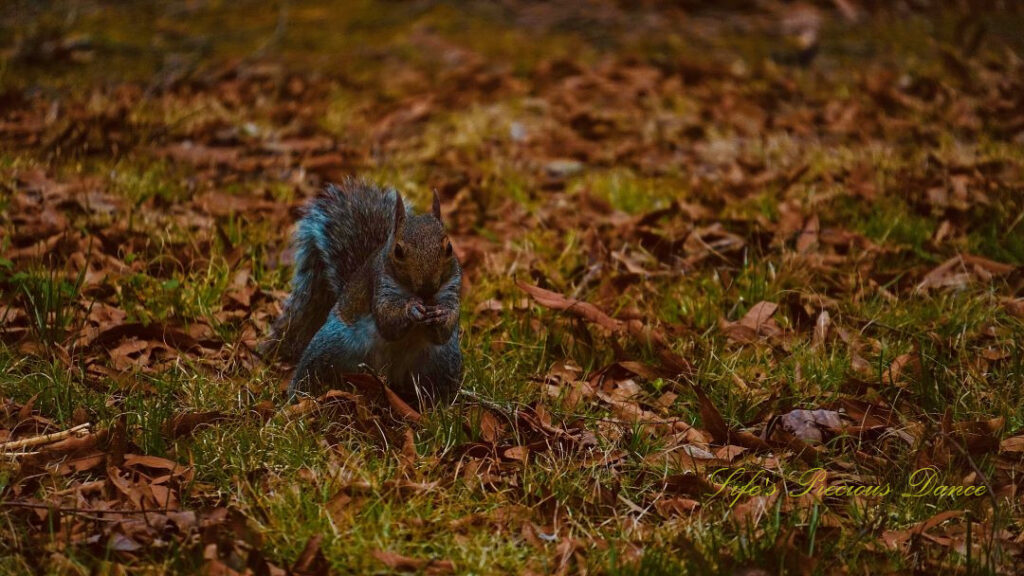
x=16, y=455
x=81, y=488
x=488, y=403
x=45, y=438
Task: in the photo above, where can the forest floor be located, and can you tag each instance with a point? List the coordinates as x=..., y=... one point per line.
x=744, y=288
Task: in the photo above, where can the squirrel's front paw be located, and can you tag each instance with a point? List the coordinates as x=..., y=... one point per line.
x=415, y=310
x=436, y=315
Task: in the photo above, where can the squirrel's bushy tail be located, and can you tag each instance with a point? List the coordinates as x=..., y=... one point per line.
x=311, y=298
x=340, y=230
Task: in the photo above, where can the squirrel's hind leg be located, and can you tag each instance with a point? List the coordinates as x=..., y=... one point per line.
x=440, y=378
x=336, y=349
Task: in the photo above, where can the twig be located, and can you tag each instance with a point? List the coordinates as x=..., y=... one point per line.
x=44, y=439
x=14, y=455
x=81, y=488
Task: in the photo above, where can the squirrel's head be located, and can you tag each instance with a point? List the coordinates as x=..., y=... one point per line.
x=421, y=255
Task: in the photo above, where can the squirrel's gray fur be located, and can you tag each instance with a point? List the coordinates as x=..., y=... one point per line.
x=374, y=285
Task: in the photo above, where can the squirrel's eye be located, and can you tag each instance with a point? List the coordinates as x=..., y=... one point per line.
x=447, y=248
x=399, y=252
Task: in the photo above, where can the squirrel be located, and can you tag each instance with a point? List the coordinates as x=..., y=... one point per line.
x=375, y=285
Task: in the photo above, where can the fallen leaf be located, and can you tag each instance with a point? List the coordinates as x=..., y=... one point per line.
x=676, y=506
x=311, y=562
x=401, y=563
x=807, y=425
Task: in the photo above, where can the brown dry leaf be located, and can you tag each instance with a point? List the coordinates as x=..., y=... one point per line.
x=632, y=327
x=640, y=369
x=491, y=428
x=565, y=552
x=901, y=364
x=757, y=323
x=979, y=437
x=729, y=453
x=807, y=425
x=961, y=270
x=616, y=391
x=666, y=400
x=563, y=371
x=1014, y=306
x=200, y=154
x=571, y=393
x=556, y=301
x=711, y=240
x=790, y=221
x=401, y=408
x=312, y=562
x=132, y=353
x=81, y=463
x=693, y=485
x=120, y=543
x=223, y=204
x=749, y=513
x=408, y=487
x=675, y=506
x=240, y=291
x=808, y=239
x=984, y=266
x=105, y=316
x=401, y=563
x=517, y=453
x=720, y=431
x=154, y=462
x=759, y=317
x=298, y=145
x=490, y=305
x=409, y=455
x=185, y=423
x=127, y=488
x=894, y=539
x=1013, y=444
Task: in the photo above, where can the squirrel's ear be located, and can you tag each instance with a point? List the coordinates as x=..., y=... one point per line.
x=399, y=214
x=436, y=208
